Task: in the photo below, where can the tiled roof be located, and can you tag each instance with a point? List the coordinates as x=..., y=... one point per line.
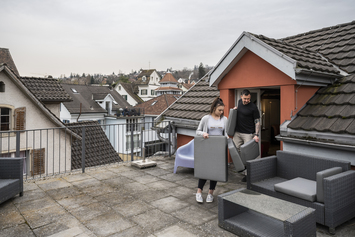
x=195, y=103
x=86, y=95
x=132, y=90
x=98, y=149
x=331, y=109
x=158, y=104
x=46, y=89
x=145, y=73
x=336, y=43
x=168, y=88
x=5, y=57
x=187, y=86
x=168, y=78
x=306, y=59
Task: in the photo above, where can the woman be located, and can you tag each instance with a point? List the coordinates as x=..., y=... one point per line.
x=213, y=124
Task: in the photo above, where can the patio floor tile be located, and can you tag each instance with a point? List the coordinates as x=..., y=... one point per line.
x=22, y=230
x=154, y=220
x=194, y=215
x=169, y=204
x=53, y=184
x=34, y=205
x=160, y=185
x=133, y=208
x=76, y=201
x=10, y=218
x=108, y=224
x=175, y=231
x=67, y=192
x=84, y=213
x=44, y=216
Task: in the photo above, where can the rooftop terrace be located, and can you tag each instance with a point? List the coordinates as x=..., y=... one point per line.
x=121, y=200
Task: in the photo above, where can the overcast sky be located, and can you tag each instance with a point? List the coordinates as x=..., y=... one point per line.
x=54, y=37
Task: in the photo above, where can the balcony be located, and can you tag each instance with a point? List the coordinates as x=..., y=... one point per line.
x=113, y=199
x=120, y=200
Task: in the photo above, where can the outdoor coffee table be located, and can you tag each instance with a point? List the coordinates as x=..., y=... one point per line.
x=248, y=213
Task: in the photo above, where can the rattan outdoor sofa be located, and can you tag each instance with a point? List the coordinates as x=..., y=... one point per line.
x=326, y=185
x=11, y=178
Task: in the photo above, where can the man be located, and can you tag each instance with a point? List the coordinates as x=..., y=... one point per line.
x=248, y=122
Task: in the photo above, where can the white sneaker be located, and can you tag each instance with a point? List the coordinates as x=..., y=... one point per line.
x=209, y=198
x=199, y=197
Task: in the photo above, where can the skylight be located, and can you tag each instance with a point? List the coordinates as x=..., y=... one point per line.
x=73, y=90
x=115, y=102
x=154, y=102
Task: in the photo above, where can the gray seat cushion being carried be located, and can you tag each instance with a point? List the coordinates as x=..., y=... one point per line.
x=249, y=151
x=298, y=187
x=211, y=158
x=237, y=161
x=320, y=176
x=231, y=122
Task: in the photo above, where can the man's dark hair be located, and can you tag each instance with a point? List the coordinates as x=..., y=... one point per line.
x=245, y=92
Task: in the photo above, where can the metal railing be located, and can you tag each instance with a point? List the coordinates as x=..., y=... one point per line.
x=61, y=150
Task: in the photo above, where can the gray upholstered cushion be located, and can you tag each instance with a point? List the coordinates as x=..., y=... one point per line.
x=249, y=151
x=320, y=176
x=237, y=161
x=211, y=158
x=298, y=187
x=7, y=182
x=232, y=121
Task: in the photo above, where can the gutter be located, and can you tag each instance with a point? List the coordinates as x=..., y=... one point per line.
x=315, y=143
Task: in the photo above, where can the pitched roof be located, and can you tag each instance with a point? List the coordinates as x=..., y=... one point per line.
x=336, y=43
x=158, y=104
x=168, y=88
x=52, y=117
x=98, y=149
x=168, y=77
x=145, y=73
x=305, y=58
x=132, y=90
x=46, y=89
x=5, y=57
x=87, y=96
x=331, y=109
x=195, y=103
x=187, y=86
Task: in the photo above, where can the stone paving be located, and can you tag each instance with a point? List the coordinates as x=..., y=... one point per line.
x=121, y=200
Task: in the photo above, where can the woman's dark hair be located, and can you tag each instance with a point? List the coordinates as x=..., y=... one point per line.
x=216, y=102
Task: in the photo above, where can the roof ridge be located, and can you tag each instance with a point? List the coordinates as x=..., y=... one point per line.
x=319, y=30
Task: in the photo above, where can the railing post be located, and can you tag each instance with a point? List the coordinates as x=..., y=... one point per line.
x=169, y=139
x=132, y=142
x=17, y=143
x=83, y=149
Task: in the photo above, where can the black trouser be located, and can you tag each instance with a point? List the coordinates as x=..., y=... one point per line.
x=202, y=182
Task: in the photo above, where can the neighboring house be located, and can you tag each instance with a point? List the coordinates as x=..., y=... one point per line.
x=21, y=110
x=98, y=103
x=182, y=80
x=282, y=76
x=147, y=82
x=185, y=87
x=129, y=91
x=156, y=106
x=186, y=112
x=168, y=85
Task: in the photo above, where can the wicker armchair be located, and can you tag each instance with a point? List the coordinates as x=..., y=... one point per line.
x=11, y=178
x=338, y=204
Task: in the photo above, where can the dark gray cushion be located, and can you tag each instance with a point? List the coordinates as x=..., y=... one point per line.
x=249, y=151
x=7, y=182
x=237, y=161
x=211, y=158
x=320, y=176
x=298, y=187
x=232, y=122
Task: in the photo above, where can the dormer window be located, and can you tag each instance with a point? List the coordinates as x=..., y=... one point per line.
x=144, y=78
x=2, y=86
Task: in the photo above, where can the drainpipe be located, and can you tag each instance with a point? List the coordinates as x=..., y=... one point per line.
x=77, y=120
